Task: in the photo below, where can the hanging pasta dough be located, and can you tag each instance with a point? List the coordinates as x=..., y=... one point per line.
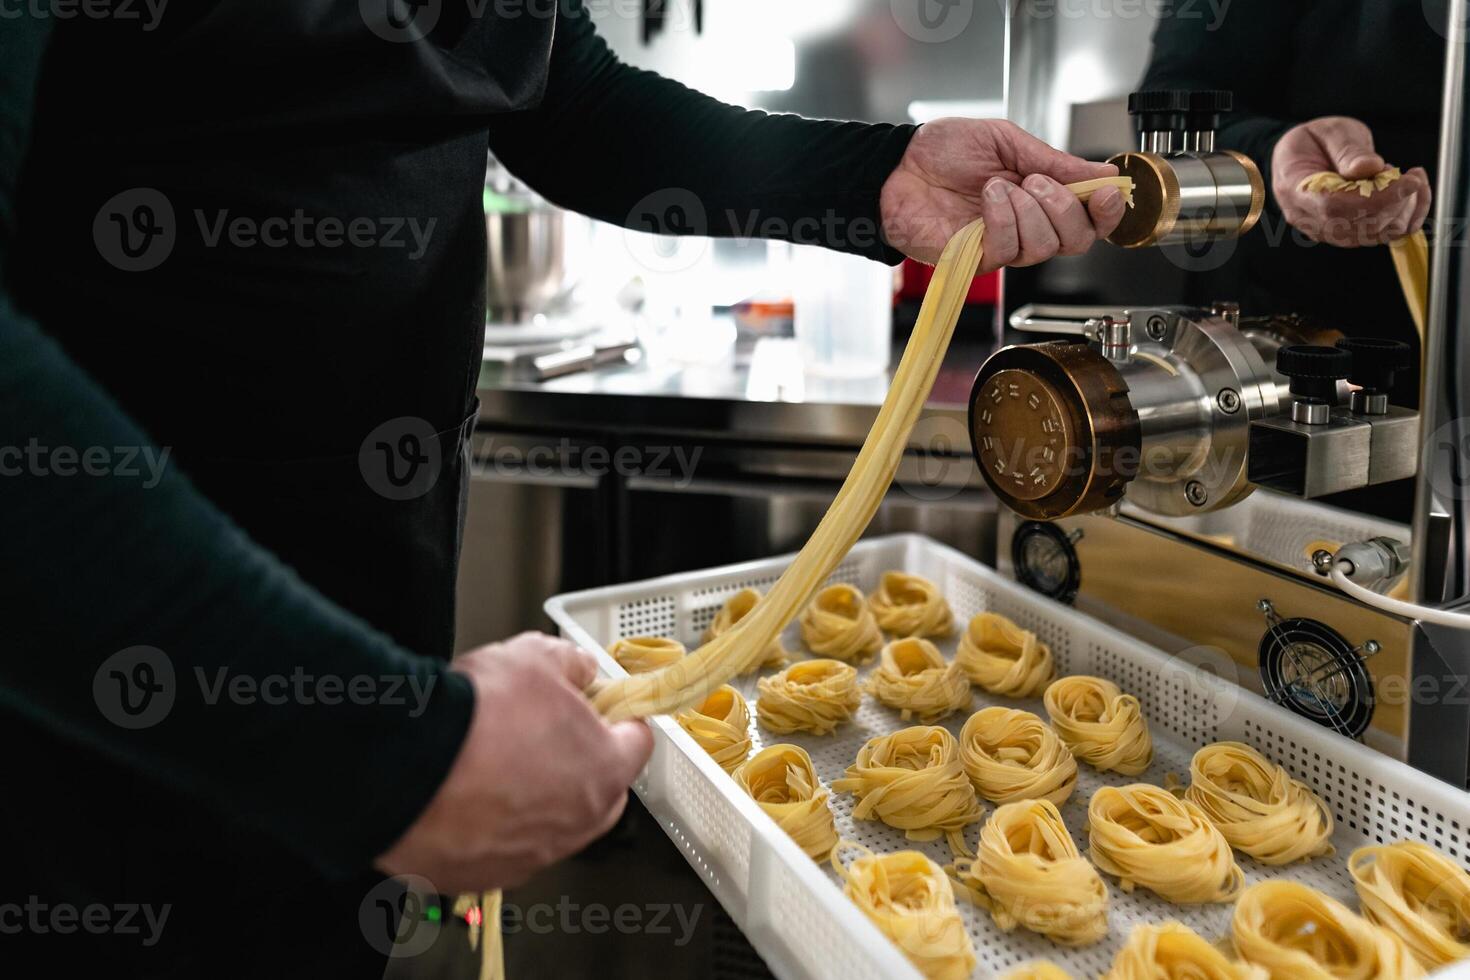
x=1102, y=726
x=1297, y=933
x=1013, y=755
x=721, y=726
x=1173, y=951
x=1419, y=895
x=782, y=780
x=908, y=897
x=809, y=696
x=1146, y=836
x=1000, y=657
x=913, y=677
x=735, y=609
x=912, y=781
x=838, y=623
x=641, y=654
x=910, y=605
x=1256, y=804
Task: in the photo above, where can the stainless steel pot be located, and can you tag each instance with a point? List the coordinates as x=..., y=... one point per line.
x=526, y=266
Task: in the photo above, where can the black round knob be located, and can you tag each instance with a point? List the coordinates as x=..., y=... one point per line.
x=1375, y=361
x=1212, y=100
x=1314, y=371
x=1159, y=110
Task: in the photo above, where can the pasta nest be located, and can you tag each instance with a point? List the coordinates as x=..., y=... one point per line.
x=1147, y=836
x=913, y=677
x=809, y=696
x=1013, y=755
x=1028, y=872
x=908, y=897
x=1172, y=949
x=1038, y=970
x=1297, y=933
x=782, y=780
x=908, y=605
x=838, y=623
x=1000, y=657
x=735, y=609
x=1256, y=804
x=721, y=725
x=1102, y=726
x=1419, y=895
x=641, y=654
x=912, y=781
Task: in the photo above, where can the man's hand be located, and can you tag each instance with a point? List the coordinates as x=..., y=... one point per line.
x=539, y=777
x=1344, y=146
x=957, y=170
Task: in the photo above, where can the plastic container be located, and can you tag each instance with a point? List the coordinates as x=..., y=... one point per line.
x=844, y=313
x=793, y=909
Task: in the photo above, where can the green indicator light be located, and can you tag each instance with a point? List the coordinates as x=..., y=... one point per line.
x=432, y=913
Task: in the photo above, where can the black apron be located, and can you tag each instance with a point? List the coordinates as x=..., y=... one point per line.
x=317, y=388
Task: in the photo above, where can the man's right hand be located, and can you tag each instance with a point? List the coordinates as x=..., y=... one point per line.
x=540, y=774
x=1342, y=145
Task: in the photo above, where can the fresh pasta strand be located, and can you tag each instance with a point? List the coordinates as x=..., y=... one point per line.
x=782, y=780
x=1102, y=726
x=692, y=678
x=912, y=781
x=1173, y=951
x=913, y=677
x=735, y=609
x=1038, y=970
x=1419, y=895
x=721, y=726
x=1013, y=755
x=908, y=897
x=910, y=605
x=839, y=624
x=641, y=654
x=1297, y=933
x=1000, y=657
x=1146, y=836
x=1256, y=804
x=1028, y=872
x=809, y=696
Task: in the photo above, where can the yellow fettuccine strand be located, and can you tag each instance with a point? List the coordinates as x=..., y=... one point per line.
x=912, y=780
x=910, y=605
x=809, y=696
x=838, y=623
x=1000, y=657
x=782, y=780
x=1173, y=951
x=1146, y=836
x=735, y=609
x=1102, y=726
x=641, y=654
x=1013, y=755
x=1028, y=872
x=692, y=678
x=1256, y=804
x=721, y=726
x=1297, y=933
x=908, y=897
x=1419, y=895
x=1038, y=970
x=913, y=677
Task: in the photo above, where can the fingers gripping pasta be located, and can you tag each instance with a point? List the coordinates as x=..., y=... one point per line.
x=809, y=696
x=692, y=678
x=838, y=623
x=640, y=654
x=1100, y=724
x=1256, y=804
x=781, y=779
x=1297, y=933
x=1146, y=836
x=1173, y=951
x=1013, y=755
x=912, y=781
x=721, y=726
x=913, y=677
x=1419, y=895
x=908, y=897
x=908, y=605
x=1028, y=872
x=1000, y=657
x=735, y=609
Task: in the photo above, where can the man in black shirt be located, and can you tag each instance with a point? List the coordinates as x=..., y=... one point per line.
x=195, y=211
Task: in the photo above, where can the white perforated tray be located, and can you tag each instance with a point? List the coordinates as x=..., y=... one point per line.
x=793, y=909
